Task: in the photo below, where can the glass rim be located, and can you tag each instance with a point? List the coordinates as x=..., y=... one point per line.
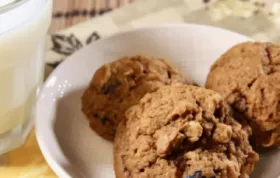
x=12, y=5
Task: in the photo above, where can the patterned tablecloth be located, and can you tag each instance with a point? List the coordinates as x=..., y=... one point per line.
x=256, y=19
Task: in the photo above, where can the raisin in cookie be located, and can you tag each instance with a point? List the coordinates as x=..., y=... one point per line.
x=121, y=84
x=182, y=131
x=248, y=76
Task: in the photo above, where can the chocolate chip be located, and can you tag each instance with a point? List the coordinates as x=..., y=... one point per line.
x=175, y=117
x=133, y=77
x=95, y=115
x=206, y=1
x=197, y=174
x=104, y=120
x=184, y=114
x=135, y=151
x=110, y=86
x=251, y=83
x=169, y=74
x=218, y=113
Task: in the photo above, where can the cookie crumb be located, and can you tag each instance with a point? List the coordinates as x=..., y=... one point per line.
x=193, y=131
x=222, y=133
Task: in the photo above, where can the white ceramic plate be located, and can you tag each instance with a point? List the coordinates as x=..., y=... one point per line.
x=68, y=144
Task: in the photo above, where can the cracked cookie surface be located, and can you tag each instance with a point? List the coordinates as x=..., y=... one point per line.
x=182, y=131
x=118, y=85
x=248, y=76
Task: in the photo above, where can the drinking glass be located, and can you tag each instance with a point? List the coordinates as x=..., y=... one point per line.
x=23, y=28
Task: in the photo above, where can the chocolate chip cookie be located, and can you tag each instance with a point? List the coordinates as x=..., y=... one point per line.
x=182, y=131
x=121, y=84
x=248, y=76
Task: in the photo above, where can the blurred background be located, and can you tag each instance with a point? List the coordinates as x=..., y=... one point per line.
x=70, y=12
x=259, y=19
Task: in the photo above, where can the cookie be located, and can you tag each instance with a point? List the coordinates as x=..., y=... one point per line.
x=182, y=131
x=118, y=85
x=248, y=76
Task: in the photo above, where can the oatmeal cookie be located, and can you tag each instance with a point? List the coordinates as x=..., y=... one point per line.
x=248, y=76
x=118, y=85
x=182, y=131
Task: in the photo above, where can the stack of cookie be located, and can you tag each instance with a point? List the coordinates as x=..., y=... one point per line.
x=165, y=127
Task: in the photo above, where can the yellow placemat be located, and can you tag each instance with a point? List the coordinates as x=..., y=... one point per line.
x=27, y=162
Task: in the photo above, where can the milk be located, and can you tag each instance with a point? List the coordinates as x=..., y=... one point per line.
x=22, y=45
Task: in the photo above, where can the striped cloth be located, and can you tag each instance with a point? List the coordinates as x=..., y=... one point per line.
x=70, y=12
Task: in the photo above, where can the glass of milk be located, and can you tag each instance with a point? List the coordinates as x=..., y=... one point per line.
x=23, y=29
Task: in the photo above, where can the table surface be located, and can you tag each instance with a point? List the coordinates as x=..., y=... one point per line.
x=27, y=162
x=254, y=20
